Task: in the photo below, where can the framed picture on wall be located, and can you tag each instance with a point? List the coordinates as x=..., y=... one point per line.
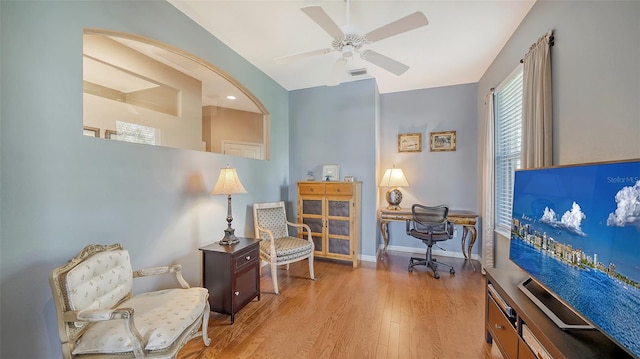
x=410, y=142
x=443, y=141
x=91, y=131
x=111, y=134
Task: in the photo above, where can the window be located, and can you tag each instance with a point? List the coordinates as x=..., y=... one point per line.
x=508, y=137
x=132, y=132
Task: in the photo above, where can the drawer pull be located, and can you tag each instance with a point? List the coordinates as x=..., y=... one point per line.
x=236, y=293
x=310, y=189
x=338, y=190
x=497, y=325
x=248, y=257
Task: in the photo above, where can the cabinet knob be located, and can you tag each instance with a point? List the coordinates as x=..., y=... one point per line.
x=310, y=189
x=338, y=190
x=236, y=292
x=247, y=257
x=497, y=326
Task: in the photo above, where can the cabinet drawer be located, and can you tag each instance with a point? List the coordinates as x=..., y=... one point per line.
x=311, y=188
x=339, y=189
x=246, y=257
x=504, y=333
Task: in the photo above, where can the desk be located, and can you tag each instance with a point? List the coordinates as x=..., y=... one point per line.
x=466, y=219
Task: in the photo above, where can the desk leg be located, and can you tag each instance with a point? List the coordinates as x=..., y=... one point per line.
x=465, y=231
x=384, y=230
x=467, y=251
x=474, y=235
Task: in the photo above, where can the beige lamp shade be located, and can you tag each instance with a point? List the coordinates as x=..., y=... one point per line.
x=228, y=182
x=394, y=177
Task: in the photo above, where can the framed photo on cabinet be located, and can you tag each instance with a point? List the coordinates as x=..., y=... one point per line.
x=443, y=141
x=410, y=142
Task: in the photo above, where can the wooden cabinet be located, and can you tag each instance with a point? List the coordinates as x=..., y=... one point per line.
x=231, y=273
x=521, y=330
x=332, y=212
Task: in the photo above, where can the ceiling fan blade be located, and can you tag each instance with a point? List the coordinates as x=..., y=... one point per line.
x=301, y=55
x=407, y=23
x=317, y=14
x=384, y=62
x=335, y=78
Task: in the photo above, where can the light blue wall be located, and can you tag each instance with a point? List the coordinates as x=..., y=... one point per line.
x=596, y=80
x=336, y=125
x=62, y=191
x=434, y=177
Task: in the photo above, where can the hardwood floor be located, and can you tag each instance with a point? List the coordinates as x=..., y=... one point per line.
x=378, y=310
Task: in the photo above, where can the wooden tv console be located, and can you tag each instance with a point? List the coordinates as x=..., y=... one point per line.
x=511, y=317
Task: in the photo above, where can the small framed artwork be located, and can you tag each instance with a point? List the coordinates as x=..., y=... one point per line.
x=330, y=173
x=111, y=134
x=348, y=178
x=410, y=142
x=91, y=131
x=443, y=141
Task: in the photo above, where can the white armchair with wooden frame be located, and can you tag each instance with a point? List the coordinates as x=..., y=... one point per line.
x=277, y=247
x=99, y=317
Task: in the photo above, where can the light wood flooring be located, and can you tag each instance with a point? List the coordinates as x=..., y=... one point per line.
x=378, y=310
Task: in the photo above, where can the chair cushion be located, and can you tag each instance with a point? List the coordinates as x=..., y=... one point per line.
x=160, y=317
x=287, y=248
x=99, y=282
x=273, y=219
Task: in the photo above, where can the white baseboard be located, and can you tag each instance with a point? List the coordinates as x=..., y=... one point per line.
x=418, y=251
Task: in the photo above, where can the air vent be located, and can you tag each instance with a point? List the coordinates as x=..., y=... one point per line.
x=358, y=72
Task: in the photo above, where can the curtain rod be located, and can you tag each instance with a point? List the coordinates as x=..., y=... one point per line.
x=551, y=43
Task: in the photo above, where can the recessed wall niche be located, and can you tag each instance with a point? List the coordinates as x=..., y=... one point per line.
x=139, y=90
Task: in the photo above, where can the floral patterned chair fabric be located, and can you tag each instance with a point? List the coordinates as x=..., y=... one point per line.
x=99, y=316
x=277, y=247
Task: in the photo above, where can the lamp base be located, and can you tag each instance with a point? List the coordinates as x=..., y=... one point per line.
x=229, y=237
x=394, y=197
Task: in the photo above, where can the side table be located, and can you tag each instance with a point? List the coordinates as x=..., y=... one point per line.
x=231, y=273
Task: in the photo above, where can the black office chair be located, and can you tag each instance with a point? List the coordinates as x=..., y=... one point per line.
x=430, y=225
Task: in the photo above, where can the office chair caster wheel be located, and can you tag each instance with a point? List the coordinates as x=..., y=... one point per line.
x=452, y=271
x=410, y=269
x=436, y=275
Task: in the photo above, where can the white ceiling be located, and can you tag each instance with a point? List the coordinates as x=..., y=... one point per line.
x=458, y=45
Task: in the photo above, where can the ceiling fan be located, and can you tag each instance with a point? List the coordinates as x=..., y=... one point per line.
x=348, y=41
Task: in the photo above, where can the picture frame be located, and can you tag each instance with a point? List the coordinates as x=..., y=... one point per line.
x=443, y=141
x=410, y=142
x=111, y=134
x=91, y=131
x=330, y=173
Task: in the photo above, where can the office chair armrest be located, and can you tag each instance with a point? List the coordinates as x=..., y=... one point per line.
x=408, y=227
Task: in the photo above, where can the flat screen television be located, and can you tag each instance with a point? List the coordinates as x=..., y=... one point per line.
x=576, y=232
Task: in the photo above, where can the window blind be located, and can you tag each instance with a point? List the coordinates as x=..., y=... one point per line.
x=508, y=139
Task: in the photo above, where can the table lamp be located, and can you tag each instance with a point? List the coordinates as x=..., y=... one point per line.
x=394, y=178
x=228, y=183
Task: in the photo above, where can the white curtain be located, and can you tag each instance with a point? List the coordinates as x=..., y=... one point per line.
x=537, y=124
x=488, y=184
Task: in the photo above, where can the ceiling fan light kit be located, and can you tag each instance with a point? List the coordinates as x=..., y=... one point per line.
x=347, y=41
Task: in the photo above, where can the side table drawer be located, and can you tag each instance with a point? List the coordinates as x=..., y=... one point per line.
x=504, y=332
x=246, y=257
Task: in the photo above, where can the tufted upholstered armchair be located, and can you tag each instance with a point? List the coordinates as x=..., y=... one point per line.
x=98, y=316
x=277, y=247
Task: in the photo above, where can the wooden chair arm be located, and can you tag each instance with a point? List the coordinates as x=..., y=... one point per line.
x=174, y=268
x=100, y=315
x=304, y=226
